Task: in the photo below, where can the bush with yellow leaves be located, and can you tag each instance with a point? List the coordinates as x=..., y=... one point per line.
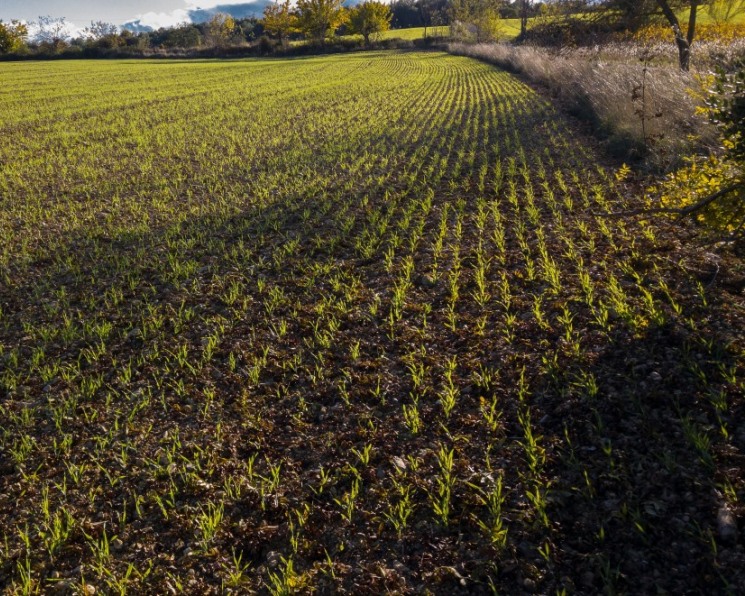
x=712, y=189
x=661, y=32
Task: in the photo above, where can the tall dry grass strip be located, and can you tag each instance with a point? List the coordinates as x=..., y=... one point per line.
x=643, y=109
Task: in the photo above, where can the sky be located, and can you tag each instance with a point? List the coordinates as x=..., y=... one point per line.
x=138, y=13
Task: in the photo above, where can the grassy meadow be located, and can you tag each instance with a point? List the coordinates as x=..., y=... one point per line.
x=716, y=13
x=350, y=324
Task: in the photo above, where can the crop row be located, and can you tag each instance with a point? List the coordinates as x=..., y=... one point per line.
x=343, y=323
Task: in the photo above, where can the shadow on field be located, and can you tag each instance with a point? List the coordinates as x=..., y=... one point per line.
x=632, y=501
x=634, y=493
x=633, y=462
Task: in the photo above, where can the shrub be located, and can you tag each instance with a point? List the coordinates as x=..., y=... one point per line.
x=266, y=46
x=568, y=32
x=713, y=189
x=727, y=111
x=722, y=32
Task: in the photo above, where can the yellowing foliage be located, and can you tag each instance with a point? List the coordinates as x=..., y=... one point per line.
x=219, y=28
x=701, y=178
x=723, y=32
x=12, y=36
x=319, y=19
x=280, y=20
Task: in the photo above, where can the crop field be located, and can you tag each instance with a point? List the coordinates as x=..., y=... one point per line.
x=349, y=324
x=414, y=33
x=508, y=29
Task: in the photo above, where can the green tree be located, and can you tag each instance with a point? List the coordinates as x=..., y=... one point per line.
x=369, y=18
x=280, y=20
x=433, y=13
x=629, y=14
x=12, y=36
x=480, y=18
x=185, y=36
x=319, y=19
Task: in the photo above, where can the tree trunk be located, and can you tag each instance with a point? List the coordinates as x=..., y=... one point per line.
x=692, y=21
x=684, y=51
x=523, y=18
x=683, y=42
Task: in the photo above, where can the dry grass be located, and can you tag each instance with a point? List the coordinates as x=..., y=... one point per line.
x=645, y=112
x=707, y=55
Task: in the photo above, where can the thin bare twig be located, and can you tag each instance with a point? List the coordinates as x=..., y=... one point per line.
x=679, y=211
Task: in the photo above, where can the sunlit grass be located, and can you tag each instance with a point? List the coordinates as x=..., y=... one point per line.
x=342, y=323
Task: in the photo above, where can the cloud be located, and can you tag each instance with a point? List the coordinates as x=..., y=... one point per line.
x=155, y=20
x=195, y=13
x=137, y=26
x=237, y=11
x=68, y=30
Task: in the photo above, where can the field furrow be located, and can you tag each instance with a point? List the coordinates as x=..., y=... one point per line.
x=350, y=324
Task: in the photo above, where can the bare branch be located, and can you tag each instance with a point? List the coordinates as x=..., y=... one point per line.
x=708, y=200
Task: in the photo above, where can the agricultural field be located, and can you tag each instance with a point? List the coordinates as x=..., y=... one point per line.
x=410, y=34
x=413, y=33
x=352, y=324
x=509, y=29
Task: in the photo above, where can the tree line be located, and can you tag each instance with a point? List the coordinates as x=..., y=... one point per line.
x=281, y=22
x=320, y=20
x=315, y=20
x=580, y=20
